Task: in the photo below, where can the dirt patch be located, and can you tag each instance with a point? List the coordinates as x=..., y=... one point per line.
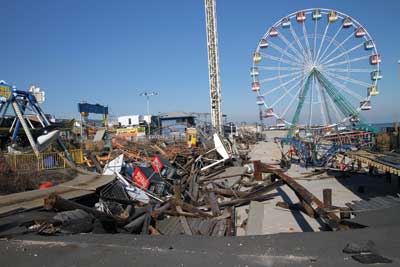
x=13, y=182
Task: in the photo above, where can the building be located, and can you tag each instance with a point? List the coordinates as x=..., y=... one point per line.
x=129, y=120
x=173, y=122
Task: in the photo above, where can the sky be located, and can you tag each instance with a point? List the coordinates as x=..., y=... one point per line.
x=108, y=52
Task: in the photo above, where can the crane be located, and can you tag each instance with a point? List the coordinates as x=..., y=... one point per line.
x=213, y=65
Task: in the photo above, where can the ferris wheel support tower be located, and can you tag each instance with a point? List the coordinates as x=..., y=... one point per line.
x=213, y=65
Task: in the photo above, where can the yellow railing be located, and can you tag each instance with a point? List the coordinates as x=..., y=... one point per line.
x=44, y=161
x=77, y=156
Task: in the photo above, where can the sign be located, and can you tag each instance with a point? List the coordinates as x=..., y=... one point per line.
x=141, y=179
x=92, y=108
x=5, y=91
x=157, y=164
x=132, y=131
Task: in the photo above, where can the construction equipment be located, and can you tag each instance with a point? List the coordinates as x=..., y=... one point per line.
x=213, y=65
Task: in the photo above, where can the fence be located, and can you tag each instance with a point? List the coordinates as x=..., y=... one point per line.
x=44, y=161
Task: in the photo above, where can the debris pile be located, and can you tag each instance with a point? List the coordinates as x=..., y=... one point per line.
x=160, y=188
x=162, y=191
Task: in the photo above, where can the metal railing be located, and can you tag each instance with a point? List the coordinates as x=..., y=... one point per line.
x=44, y=161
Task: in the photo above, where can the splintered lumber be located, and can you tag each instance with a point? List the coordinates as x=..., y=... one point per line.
x=136, y=224
x=159, y=211
x=212, y=200
x=264, y=189
x=84, y=184
x=153, y=231
x=226, y=192
x=190, y=208
x=55, y=202
x=244, y=201
x=96, y=163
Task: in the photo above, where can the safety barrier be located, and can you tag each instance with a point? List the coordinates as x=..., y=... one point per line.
x=44, y=161
x=77, y=156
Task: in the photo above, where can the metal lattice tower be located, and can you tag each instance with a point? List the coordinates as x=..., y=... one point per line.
x=302, y=97
x=213, y=65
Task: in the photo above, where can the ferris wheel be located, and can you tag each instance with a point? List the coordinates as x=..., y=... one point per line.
x=315, y=68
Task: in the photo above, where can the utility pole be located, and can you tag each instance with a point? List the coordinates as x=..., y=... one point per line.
x=213, y=65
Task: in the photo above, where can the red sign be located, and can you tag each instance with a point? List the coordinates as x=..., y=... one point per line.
x=139, y=178
x=157, y=164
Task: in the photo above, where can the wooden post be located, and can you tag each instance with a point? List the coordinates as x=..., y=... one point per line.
x=257, y=170
x=327, y=198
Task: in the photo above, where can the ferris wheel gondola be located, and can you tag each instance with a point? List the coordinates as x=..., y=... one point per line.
x=313, y=72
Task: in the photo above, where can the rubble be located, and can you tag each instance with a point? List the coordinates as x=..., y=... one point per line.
x=167, y=189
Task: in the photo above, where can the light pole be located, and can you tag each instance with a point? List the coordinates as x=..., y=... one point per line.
x=147, y=95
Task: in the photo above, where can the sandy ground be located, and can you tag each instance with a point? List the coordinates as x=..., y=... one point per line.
x=278, y=220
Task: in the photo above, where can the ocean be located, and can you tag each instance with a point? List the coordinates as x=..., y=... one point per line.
x=381, y=126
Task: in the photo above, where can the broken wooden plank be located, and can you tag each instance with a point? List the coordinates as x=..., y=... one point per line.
x=244, y=201
x=84, y=184
x=212, y=200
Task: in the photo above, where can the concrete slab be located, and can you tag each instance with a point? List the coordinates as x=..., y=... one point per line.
x=279, y=220
x=255, y=221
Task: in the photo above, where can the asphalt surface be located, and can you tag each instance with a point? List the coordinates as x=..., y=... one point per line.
x=289, y=249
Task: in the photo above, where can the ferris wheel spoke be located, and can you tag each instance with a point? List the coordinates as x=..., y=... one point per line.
x=315, y=39
x=347, y=70
x=329, y=101
x=346, y=61
x=305, y=34
x=336, y=48
x=286, y=93
x=347, y=79
x=343, y=53
x=279, y=59
x=296, y=38
x=333, y=39
x=276, y=47
x=279, y=68
x=291, y=103
x=280, y=76
x=334, y=108
x=340, y=101
x=294, y=50
x=282, y=85
x=303, y=81
x=343, y=87
x=322, y=40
